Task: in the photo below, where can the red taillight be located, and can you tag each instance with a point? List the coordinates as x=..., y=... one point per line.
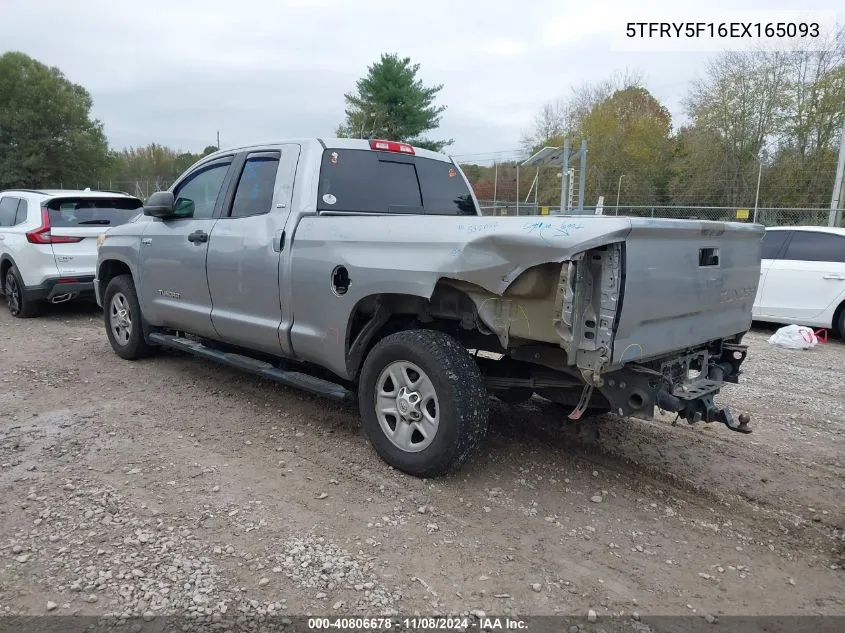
x=66, y=280
x=391, y=146
x=42, y=235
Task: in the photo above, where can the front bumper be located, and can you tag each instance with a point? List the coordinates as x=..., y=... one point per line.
x=60, y=289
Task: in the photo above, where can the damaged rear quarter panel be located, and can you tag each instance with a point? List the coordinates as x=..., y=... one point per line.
x=411, y=254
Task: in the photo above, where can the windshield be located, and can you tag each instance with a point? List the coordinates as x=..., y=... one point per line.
x=367, y=181
x=92, y=211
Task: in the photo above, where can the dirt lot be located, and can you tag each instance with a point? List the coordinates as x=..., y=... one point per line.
x=174, y=484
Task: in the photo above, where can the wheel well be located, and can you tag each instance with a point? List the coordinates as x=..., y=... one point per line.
x=5, y=265
x=448, y=310
x=108, y=270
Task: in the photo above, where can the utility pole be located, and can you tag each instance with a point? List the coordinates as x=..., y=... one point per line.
x=564, y=179
x=582, y=176
x=837, y=215
x=495, y=183
x=618, y=190
x=757, y=195
x=218, y=139
x=836, y=196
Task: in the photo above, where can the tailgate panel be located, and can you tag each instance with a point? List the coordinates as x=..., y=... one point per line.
x=686, y=283
x=76, y=258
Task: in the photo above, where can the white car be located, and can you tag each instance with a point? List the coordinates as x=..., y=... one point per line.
x=802, y=277
x=48, y=243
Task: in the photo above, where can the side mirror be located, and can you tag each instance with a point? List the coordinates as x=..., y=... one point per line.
x=183, y=208
x=160, y=204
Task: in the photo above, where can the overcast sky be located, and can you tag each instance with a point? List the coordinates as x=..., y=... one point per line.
x=177, y=71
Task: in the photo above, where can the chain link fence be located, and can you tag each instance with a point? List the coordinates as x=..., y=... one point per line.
x=767, y=216
x=139, y=188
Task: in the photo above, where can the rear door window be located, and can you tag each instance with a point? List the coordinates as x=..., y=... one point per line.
x=8, y=210
x=810, y=246
x=254, y=194
x=367, y=181
x=80, y=211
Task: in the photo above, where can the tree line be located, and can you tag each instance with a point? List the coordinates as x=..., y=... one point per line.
x=48, y=137
x=772, y=115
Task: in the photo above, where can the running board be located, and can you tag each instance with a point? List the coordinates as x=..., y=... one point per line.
x=260, y=368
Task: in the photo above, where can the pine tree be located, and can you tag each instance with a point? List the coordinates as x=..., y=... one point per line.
x=391, y=103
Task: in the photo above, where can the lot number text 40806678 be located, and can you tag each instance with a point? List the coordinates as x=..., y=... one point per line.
x=418, y=623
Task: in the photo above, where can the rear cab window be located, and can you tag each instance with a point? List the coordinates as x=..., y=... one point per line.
x=82, y=211
x=368, y=181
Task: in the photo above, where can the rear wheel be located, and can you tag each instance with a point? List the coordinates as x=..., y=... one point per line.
x=122, y=314
x=423, y=402
x=19, y=306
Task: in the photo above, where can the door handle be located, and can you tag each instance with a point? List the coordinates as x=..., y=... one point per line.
x=838, y=277
x=279, y=241
x=198, y=237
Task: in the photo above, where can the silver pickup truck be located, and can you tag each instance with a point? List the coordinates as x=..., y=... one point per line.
x=364, y=271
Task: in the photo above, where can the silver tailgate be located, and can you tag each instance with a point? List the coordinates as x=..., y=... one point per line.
x=686, y=282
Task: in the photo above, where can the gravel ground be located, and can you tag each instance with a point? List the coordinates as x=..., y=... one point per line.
x=173, y=485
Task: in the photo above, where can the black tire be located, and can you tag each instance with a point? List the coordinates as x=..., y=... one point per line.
x=462, y=404
x=840, y=322
x=127, y=341
x=18, y=305
x=515, y=395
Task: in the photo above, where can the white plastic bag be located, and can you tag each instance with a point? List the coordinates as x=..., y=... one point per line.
x=794, y=337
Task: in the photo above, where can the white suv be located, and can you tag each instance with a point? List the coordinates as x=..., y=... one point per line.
x=48, y=243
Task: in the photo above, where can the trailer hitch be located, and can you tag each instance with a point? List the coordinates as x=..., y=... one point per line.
x=726, y=417
x=704, y=409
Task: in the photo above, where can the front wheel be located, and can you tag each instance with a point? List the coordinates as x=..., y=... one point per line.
x=123, y=319
x=423, y=402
